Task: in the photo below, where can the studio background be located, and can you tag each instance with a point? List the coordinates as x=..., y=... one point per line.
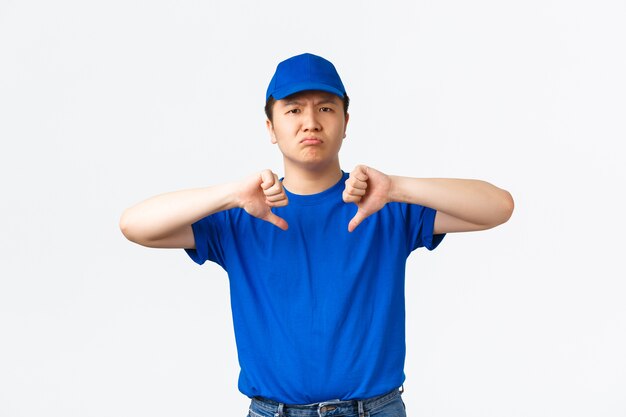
x=103, y=104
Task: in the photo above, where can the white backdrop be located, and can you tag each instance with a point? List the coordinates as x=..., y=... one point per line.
x=103, y=104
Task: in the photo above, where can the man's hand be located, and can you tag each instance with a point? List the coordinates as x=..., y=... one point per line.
x=259, y=193
x=369, y=190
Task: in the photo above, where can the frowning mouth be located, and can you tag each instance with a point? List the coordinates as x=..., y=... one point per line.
x=311, y=141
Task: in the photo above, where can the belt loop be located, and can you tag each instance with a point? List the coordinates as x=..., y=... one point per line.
x=361, y=411
x=279, y=412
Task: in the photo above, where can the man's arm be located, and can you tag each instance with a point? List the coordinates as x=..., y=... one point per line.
x=462, y=205
x=164, y=221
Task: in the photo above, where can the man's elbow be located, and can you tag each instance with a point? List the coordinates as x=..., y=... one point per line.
x=129, y=229
x=506, y=207
x=500, y=211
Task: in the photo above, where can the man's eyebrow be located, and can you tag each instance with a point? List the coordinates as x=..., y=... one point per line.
x=292, y=101
x=295, y=101
x=327, y=101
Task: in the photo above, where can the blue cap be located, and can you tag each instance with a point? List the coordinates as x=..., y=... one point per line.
x=302, y=73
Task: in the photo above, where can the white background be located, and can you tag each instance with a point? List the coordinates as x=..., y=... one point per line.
x=103, y=104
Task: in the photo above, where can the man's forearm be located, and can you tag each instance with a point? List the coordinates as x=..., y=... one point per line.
x=474, y=201
x=161, y=215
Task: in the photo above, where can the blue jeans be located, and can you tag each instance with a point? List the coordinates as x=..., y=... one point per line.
x=387, y=405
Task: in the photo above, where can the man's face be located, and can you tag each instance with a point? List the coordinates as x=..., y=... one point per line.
x=309, y=128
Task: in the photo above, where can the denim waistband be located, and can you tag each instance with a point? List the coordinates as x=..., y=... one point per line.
x=326, y=408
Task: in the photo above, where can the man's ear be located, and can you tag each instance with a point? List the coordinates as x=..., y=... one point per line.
x=270, y=130
x=345, y=125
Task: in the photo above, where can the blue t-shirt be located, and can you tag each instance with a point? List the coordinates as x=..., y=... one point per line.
x=318, y=311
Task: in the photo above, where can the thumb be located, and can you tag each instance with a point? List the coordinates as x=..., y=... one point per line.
x=276, y=221
x=357, y=219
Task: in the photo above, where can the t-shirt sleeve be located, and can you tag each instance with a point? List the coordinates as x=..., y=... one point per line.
x=207, y=236
x=421, y=224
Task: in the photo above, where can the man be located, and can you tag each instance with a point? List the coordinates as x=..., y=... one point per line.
x=317, y=283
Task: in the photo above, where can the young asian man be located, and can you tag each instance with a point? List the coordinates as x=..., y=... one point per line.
x=316, y=260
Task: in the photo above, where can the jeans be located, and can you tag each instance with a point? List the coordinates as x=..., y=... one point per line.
x=387, y=405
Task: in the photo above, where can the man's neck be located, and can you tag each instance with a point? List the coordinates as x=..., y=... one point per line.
x=305, y=181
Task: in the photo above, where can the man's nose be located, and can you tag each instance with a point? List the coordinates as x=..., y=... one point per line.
x=311, y=121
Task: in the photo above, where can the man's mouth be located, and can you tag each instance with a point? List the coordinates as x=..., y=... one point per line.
x=311, y=141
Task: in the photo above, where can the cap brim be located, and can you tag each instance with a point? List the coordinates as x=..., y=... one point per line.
x=281, y=93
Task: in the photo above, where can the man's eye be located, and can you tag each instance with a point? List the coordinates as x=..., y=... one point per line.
x=325, y=109
x=294, y=111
